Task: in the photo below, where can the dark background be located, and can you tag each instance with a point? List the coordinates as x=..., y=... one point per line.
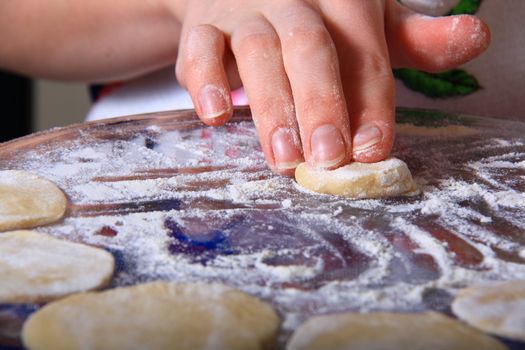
x=15, y=106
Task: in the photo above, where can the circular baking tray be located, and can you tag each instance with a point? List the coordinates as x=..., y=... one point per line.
x=173, y=199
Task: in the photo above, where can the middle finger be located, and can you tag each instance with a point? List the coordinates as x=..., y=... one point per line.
x=311, y=64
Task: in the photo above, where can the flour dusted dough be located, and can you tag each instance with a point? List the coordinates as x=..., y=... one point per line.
x=498, y=308
x=377, y=331
x=35, y=267
x=388, y=178
x=154, y=316
x=27, y=200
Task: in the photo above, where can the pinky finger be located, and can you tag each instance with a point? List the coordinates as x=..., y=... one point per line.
x=200, y=68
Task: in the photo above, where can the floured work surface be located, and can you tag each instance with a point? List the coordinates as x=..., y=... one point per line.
x=175, y=200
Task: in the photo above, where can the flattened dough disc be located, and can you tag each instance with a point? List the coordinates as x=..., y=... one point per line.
x=35, y=267
x=497, y=308
x=27, y=200
x=154, y=316
x=388, y=178
x=378, y=331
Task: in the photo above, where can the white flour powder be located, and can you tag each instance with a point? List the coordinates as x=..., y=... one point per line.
x=200, y=205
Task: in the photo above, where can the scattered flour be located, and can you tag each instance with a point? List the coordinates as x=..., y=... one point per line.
x=199, y=204
x=287, y=203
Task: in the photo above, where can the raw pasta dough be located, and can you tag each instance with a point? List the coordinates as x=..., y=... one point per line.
x=154, y=316
x=376, y=331
x=498, y=308
x=27, y=200
x=390, y=177
x=35, y=267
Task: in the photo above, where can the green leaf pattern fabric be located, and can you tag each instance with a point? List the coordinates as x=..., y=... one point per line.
x=466, y=7
x=456, y=82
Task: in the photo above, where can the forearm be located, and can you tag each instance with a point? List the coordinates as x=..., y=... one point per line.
x=87, y=40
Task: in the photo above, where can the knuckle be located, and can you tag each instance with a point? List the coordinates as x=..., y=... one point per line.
x=252, y=42
x=308, y=38
x=265, y=107
x=383, y=79
x=370, y=68
x=312, y=104
x=196, y=62
x=204, y=45
x=203, y=31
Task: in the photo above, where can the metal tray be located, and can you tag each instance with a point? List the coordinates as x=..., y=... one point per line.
x=175, y=200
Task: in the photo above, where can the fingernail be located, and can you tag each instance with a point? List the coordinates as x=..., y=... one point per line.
x=328, y=146
x=286, y=148
x=212, y=102
x=366, y=137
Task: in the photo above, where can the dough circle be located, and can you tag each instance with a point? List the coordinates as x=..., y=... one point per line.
x=35, y=267
x=156, y=316
x=388, y=178
x=27, y=200
x=425, y=331
x=498, y=308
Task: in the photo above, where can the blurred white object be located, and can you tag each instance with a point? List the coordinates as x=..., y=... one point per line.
x=155, y=92
x=431, y=7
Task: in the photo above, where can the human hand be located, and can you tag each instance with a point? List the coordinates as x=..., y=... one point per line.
x=318, y=73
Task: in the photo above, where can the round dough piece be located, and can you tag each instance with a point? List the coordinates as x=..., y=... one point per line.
x=154, y=316
x=388, y=178
x=27, y=200
x=35, y=267
x=498, y=308
x=425, y=331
